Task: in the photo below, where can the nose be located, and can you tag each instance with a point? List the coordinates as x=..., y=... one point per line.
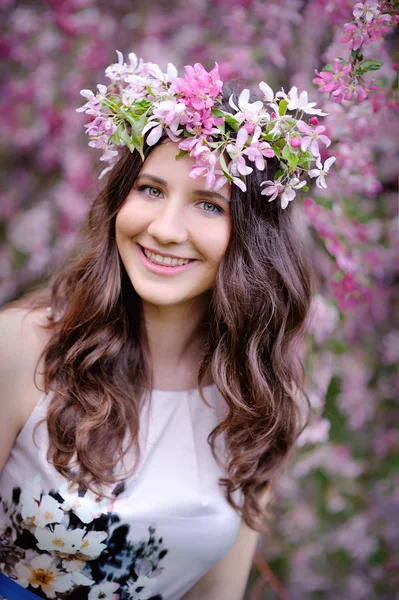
x=168, y=225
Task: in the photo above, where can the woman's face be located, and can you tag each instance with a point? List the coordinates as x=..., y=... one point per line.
x=169, y=213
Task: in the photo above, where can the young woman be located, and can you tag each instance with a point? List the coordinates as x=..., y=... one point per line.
x=150, y=395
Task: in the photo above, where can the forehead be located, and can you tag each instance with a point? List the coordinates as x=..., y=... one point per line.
x=162, y=163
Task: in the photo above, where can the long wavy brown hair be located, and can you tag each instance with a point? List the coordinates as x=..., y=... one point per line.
x=96, y=360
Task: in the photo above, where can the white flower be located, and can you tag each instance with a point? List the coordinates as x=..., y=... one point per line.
x=273, y=189
x=117, y=71
x=92, y=544
x=280, y=121
x=267, y=91
x=30, y=499
x=300, y=103
x=368, y=10
x=289, y=194
x=135, y=63
x=67, y=541
x=87, y=507
x=167, y=113
x=253, y=112
x=156, y=72
x=104, y=591
x=109, y=155
x=321, y=171
x=75, y=568
x=40, y=515
x=155, y=134
x=144, y=582
x=42, y=572
x=81, y=579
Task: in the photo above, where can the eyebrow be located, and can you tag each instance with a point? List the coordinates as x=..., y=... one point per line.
x=203, y=193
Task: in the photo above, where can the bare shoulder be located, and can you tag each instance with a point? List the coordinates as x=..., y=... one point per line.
x=22, y=337
x=22, y=341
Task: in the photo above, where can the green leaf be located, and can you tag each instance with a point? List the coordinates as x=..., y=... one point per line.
x=268, y=137
x=306, y=164
x=141, y=104
x=223, y=164
x=282, y=108
x=124, y=136
x=329, y=67
x=181, y=154
x=276, y=150
x=370, y=65
x=218, y=113
x=137, y=137
x=222, y=127
x=231, y=122
x=291, y=158
x=129, y=117
x=116, y=137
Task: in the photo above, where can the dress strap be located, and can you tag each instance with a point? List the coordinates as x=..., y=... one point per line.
x=11, y=590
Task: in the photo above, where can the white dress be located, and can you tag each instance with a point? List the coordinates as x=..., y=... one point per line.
x=154, y=539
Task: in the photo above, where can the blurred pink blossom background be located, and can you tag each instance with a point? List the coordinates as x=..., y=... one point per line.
x=333, y=534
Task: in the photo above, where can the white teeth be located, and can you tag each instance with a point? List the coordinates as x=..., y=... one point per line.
x=165, y=260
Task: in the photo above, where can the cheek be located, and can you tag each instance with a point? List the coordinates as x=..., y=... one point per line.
x=127, y=221
x=214, y=244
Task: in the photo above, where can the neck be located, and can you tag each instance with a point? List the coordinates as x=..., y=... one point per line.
x=175, y=336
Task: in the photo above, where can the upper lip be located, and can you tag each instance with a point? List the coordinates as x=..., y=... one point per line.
x=166, y=254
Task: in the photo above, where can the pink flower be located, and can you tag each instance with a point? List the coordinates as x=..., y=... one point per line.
x=273, y=189
x=378, y=27
x=205, y=163
x=311, y=138
x=295, y=142
x=100, y=126
x=333, y=82
x=257, y=150
x=166, y=115
x=354, y=34
x=189, y=144
x=199, y=88
x=237, y=164
x=93, y=106
x=201, y=123
x=287, y=192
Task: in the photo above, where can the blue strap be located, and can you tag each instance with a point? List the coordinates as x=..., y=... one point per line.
x=11, y=590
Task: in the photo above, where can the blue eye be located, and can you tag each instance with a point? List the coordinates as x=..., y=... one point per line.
x=218, y=209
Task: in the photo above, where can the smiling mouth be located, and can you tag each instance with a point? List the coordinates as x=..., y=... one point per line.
x=167, y=261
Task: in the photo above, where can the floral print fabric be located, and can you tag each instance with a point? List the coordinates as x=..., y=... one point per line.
x=70, y=544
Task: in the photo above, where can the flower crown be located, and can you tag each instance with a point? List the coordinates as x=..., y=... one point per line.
x=141, y=100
